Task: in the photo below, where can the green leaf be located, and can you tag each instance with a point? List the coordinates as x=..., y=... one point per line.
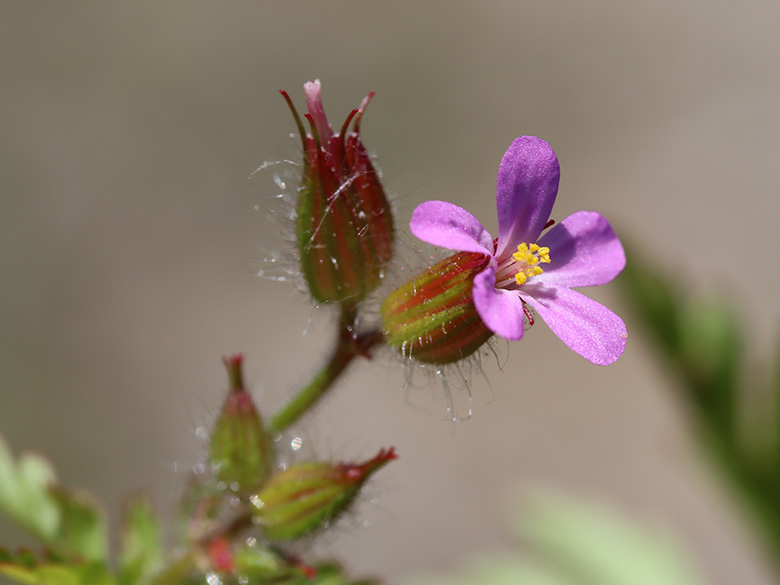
x=595, y=545
x=141, y=547
x=82, y=531
x=655, y=299
x=25, y=568
x=24, y=492
x=711, y=361
x=576, y=543
x=68, y=522
x=700, y=338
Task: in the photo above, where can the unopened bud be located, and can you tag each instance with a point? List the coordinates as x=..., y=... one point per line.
x=308, y=495
x=344, y=222
x=432, y=317
x=241, y=452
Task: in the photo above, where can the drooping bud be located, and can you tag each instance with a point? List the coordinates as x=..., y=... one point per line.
x=308, y=495
x=344, y=225
x=241, y=452
x=432, y=317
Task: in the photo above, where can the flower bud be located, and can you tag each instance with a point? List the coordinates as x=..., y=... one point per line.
x=308, y=495
x=344, y=225
x=241, y=452
x=432, y=318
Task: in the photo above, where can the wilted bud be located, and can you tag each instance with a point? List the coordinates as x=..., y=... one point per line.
x=432, y=318
x=241, y=453
x=344, y=222
x=308, y=495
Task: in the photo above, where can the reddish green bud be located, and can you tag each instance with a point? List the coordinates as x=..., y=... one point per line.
x=308, y=495
x=241, y=452
x=432, y=318
x=344, y=222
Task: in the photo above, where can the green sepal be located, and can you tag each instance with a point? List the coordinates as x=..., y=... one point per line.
x=308, y=495
x=432, y=318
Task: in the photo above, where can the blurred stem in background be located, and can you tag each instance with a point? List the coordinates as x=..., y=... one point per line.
x=734, y=404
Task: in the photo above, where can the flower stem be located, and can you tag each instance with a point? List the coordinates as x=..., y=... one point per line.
x=350, y=345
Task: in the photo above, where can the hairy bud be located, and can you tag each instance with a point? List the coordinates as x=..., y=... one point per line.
x=241, y=453
x=432, y=317
x=308, y=495
x=344, y=222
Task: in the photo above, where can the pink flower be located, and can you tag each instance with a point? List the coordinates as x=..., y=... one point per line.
x=526, y=269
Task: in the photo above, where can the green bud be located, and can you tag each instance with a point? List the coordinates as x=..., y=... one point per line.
x=308, y=495
x=241, y=452
x=432, y=317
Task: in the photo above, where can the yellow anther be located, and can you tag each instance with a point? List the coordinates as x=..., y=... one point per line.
x=527, y=260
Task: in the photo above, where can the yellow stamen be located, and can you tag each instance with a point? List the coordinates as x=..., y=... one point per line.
x=528, y=258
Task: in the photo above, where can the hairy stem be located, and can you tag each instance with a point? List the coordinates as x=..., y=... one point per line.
x=349, y=345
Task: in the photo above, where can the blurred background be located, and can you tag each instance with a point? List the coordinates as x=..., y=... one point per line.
x=128, y=132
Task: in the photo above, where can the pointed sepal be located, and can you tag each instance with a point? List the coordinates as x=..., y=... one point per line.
x=311, y=494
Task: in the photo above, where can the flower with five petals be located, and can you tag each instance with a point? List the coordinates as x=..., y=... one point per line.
x=528, y=269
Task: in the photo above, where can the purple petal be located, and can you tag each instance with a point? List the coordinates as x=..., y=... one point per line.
x=500, y=310
x=525, y=191
x=584, y=251
x=446, y=225
x=587, y=327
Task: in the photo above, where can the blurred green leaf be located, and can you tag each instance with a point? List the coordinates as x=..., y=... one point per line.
x=577, y=543
x=141, y=546
x=701, y=339
x=24, y=492
x=25, y=568
x=655, y=299
x=595, y=545
x=703, y=342
x=82, y=529
x=711, y=342
x=70, y=523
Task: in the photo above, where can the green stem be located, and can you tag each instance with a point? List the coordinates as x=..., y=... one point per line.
x=349, y=346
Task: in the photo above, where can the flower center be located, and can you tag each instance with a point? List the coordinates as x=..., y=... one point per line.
x=528, y=259
x=522, y=265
